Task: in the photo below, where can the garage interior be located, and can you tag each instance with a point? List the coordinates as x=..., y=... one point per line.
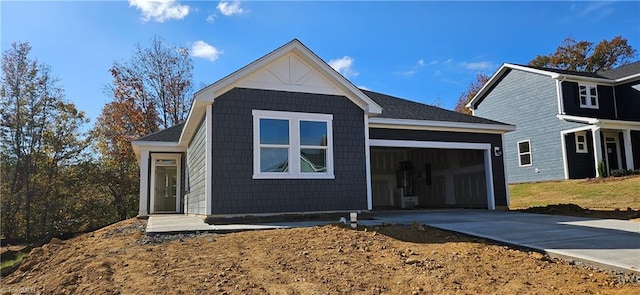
x=428, y=178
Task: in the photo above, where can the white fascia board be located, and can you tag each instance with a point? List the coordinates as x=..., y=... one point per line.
x=574, y=78
x=193, y=119
x=154, y=143
x=578, y=129
x=627, y=78
x=439, y=125
x=578, y=119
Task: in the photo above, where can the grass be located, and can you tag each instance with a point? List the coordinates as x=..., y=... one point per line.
x=605, y=193
x=19, y=257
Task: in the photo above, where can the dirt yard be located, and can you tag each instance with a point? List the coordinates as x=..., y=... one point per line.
x=575, y=210
x=331, y=259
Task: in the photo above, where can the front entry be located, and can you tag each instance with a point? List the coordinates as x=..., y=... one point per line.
x=612, y=150
x=165, y=184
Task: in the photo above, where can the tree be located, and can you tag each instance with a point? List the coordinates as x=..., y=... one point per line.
x=583, y=56
x=468, y=94
x=150, y=92
x=41, y=138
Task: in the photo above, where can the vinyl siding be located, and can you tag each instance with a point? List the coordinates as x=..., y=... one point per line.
x=528, y=101
x=195, y=201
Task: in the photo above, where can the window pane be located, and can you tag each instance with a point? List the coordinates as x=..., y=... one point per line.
x=313, y=160
x=274, y=131
x=581, y=138
x=313, y=133
x=274, y=160
x=581, y=146
x=523, y=147
x=525, y=159
x=594, y=100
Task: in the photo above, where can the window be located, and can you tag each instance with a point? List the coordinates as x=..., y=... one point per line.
x=588, y=96
x=524, y=153
x=581, y=142
x=292, y=145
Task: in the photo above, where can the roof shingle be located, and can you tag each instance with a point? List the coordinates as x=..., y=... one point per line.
x=171, y=134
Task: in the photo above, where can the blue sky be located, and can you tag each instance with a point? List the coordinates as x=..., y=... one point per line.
x=423, y=51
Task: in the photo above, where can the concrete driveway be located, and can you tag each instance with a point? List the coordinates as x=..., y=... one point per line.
x=613, y=244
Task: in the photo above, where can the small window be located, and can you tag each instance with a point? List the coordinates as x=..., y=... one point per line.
x=581, y=142
x=524, y=153
x=588, y=96
x=292, y=145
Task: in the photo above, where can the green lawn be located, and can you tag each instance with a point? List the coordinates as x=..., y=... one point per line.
x=610, y=193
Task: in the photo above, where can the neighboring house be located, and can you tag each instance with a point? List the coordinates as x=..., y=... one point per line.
x=287, y=133
x=567, y=123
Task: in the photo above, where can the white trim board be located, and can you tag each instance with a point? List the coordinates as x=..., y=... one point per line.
x=439, y=125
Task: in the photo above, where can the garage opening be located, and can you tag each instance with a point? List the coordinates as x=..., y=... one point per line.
x=412, y=177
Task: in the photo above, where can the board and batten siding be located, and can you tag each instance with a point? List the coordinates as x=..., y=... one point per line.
x=195, y=200
x=234, y=191
x=530, y=102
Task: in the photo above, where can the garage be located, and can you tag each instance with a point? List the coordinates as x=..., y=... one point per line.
x=428, y=178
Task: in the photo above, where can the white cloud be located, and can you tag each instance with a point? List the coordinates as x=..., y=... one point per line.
x=160, y=10
x=421, y=63
x=203, y=50
x=344, y=66
x=230, y=8
x=364, y=87
x=481, y=65
x=412, y=71
x=211, y=18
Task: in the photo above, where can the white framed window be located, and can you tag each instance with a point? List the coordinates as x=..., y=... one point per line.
x=588, y=96
x=524, y=153
x=292, y=145
x=581, y=142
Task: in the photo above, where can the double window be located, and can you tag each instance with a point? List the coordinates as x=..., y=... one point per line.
x=292, y=145
x=581, y=142
x=524, y=153
x=588, y=96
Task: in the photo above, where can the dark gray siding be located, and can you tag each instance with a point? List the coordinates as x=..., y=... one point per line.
x=528, y=101
x=195, y=200
x=234, y=189
x=628, y=100
x=571, y=99
x=581, y=165
x=495, y=140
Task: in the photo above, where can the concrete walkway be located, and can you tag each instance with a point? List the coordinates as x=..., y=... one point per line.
x=608, y=243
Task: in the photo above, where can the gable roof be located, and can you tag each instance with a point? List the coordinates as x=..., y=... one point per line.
x=171, y=134
x=399, y=108
x=613, y=76
x=305, y=57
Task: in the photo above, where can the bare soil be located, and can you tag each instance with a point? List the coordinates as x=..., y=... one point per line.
x=575, y=210
x=120, y=259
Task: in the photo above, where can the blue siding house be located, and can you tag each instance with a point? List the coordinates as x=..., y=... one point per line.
x=289, y=134
x=568, y=123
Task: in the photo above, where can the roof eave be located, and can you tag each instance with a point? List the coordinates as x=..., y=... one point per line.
x=441, y=125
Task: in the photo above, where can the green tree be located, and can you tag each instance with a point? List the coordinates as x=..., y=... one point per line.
x=40, y=135
x=585, y=57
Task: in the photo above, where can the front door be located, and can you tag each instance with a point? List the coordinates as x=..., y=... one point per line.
x=165, y=183
x=166, y=188
x=612, y=156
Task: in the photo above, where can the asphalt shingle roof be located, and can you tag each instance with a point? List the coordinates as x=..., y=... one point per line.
x=398, y=108
x=171, y=134
x=623, y=71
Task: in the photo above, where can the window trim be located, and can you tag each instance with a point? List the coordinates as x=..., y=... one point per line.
x=524, y=153
x=588, y=104
x=585, y=148
x=295, y=147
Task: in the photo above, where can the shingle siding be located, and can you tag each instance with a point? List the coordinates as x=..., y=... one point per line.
x=528, y=101
x=234, y=191
x=195, y=201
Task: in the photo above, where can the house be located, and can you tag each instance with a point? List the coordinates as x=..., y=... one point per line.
x=287, y=133
x=569, y=125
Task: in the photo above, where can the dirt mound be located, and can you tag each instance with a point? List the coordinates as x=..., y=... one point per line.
x=575, y=210
x=331, y=259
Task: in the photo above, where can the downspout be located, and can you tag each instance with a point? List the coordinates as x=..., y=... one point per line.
x=615, y=103
x=559, y=80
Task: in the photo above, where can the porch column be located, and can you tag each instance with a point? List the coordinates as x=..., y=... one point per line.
x=597, y=150
x=144, y=182
x=628, y=152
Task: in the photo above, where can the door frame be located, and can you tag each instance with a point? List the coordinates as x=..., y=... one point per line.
x=616, y=141
x=155, y=158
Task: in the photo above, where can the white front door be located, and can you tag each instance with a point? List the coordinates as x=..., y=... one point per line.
x=165, y=183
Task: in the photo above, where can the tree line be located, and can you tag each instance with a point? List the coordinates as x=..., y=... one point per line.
x=58, y=175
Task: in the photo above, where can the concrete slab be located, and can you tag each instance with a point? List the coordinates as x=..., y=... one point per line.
x=174, y=223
